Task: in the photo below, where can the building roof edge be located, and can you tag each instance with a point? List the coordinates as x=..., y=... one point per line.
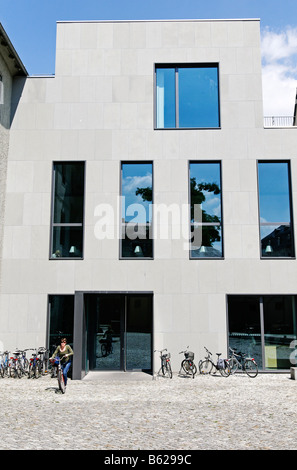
x=11, y=52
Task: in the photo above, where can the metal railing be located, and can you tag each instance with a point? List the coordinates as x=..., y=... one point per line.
x=279, y=121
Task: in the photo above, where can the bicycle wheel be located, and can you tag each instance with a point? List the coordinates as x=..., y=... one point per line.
x=168, y=370
x=30, y=371
x=250, y=368
x=193, y=369
x=19, y=371
x=233, y=365
x=185, y=366
x=12, y=372
x=206, y=367
x=103, y=350
x=25, y=366
x=2, y=371
x=189, y=367
x=61, y=381
x=36, y=371
x=226, y=371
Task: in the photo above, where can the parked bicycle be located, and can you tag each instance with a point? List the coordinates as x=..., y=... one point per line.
x=165, y=363
x=187, y=364
x=12, y=366
x=43, y=360
x=4, y=361
x=106, y=347
x=61, y=383
x=207, y=366
x=34, y=367
x=22, y=362
x=238, y=360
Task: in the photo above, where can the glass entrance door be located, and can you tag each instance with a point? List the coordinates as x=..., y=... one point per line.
x=119, y=331
x=105, y=331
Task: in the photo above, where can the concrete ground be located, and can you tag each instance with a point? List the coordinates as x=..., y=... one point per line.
x=133, y=411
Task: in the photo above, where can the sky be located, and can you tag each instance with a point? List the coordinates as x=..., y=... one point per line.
x=31, y=27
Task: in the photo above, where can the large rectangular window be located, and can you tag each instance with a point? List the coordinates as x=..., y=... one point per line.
x=264, y=327
x=206, y=210
x=137, y=200
x=187, y=96
x=67, y=210
x=275, y=207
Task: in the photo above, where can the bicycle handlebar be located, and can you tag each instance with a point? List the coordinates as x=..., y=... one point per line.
x=183, y=352
x=239, y=354
x=207, y=351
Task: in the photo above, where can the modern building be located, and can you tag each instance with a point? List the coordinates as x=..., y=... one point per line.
x=146, y=201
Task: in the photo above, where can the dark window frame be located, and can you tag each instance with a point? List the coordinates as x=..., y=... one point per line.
x=142, y=258
x=176, y=66
x=221, y=224
x=71, y=225
x=290, y=224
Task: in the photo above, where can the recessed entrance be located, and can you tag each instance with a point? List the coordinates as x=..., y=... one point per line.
x=118, y=331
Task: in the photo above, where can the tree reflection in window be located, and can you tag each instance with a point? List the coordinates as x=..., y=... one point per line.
x=206, y=214
x=137, y=190
x=276, y=227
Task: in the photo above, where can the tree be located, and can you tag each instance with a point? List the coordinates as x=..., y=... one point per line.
x=146, y=193
x=210, y=233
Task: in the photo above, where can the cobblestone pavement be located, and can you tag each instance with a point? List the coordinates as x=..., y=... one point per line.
x=122, y=412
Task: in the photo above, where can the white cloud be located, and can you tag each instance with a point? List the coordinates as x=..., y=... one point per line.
x=279, y=71
x=131, y=183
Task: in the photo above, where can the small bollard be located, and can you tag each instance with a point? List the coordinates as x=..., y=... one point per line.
x=293, y=373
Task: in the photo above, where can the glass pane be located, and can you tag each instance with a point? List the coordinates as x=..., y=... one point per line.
x=205, y=190
x=108, y=334
x=276, y=241
x=137, y=248
x=274, y=192
x=205, y=182
x=69, y=193
x=105, y=318
x=165, y=82
x=137, y=198
x=67, y=242
x=211, y=243
x=138, y=335
x=279, y=330
x=61, y=320
x=244, y=326
x=198, y=97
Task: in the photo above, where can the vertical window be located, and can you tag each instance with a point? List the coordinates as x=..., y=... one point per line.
x=67, y=210
x=187, y=96
x=206, y=210
x=137, y=199
x=275, y=208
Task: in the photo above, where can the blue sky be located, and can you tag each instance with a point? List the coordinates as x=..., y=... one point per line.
x=31, y=27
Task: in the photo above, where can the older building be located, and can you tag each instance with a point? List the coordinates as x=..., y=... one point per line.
x=147, y=205
x=11, y=67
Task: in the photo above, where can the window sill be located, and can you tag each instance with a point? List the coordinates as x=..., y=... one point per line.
x=186, y=128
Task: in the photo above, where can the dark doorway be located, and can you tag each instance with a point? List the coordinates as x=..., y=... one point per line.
x=119, y=331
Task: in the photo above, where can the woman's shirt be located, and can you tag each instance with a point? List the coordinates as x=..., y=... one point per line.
x=58, y=352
